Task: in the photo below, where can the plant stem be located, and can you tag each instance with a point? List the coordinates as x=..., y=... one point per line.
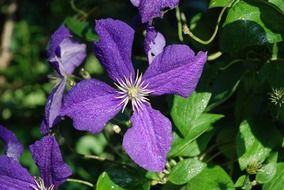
x=187, y=31
x=178, y=16
x=80, y=182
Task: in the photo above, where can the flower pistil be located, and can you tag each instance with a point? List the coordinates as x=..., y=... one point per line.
x=132, y=90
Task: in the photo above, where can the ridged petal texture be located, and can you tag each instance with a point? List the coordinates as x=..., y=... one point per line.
x=115, y=47
x=149, y=139
x=175, y=71
x=13, y=176
x=150, y=9
x=91, y=104
x=13, y=148
x=48, y=158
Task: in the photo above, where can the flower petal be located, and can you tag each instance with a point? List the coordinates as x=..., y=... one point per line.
x=154, y=43
x=13, y=176
x=65, y=54
x=135, y=2
x=175, y=71
x=48, y=158
x=150, y=9
x=53, y=106
x=91, y=103
x=149, y=139
x=72, y=54
x=115, y=47
x=13, y=148
x=57, y=37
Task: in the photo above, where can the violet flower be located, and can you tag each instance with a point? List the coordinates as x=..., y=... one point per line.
x=92, y=103
x=64, y=55
x=149, y=9
x=47, y=156
x=154, y=43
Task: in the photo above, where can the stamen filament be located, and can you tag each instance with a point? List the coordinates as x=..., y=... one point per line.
x=134, y=91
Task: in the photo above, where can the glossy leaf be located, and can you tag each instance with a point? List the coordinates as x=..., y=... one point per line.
x=218, y=3
x=278, y=3
x=249, y=23
x=185, y=170
x=252, y=145
x=201, y=125
x=105, y=182
x=122, y=179
x=278, y=180
x=266, y=173
x=213, y=177
x=186, y=110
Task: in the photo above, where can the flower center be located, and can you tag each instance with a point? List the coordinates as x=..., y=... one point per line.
x=40, y=185
x=132, y=90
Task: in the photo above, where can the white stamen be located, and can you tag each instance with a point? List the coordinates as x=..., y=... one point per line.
x=134, y=91
x=40, y=185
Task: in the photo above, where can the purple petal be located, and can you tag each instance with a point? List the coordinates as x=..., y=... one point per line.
x=135, y=2
x=13, y=176
x=91, y=104
x=65, y=54
x=154, y=43
x=48, y=158
x=175, y=71
x=13, y=148
x=72, y=54
x=53, y=106
x=57, y=37
x=114, y=48
x=149, y=139
x=150, y=9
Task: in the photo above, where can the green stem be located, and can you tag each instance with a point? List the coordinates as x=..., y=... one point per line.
x=274, y=52
x=95, y=157
x=214, y=56
x=76, y=9
x=178, y=16
x=187, y=31
x=80, y=182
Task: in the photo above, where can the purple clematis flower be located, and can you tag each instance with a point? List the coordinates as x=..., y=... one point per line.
x=64, y=55
x=92, y=103
x=150, y=9
x=47, y=156
x=154, y=43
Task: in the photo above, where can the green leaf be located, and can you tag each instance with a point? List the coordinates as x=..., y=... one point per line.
x=122, y=179
x=91, y=144
x=266, y=173
x=218, y=3
x=226, y=142
x=222, y=80
x=252, y=145
x=198, y=127
x=105, y=182
x=241, y=181
x=186, y=110
x=211, y=178
x=278, y=180
x=250, y=23
x=81, y=28
x=272, y=73
x=93, y=65
x=278, y=3
x=182, y=145
x=185, y=170
x=195, y=147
